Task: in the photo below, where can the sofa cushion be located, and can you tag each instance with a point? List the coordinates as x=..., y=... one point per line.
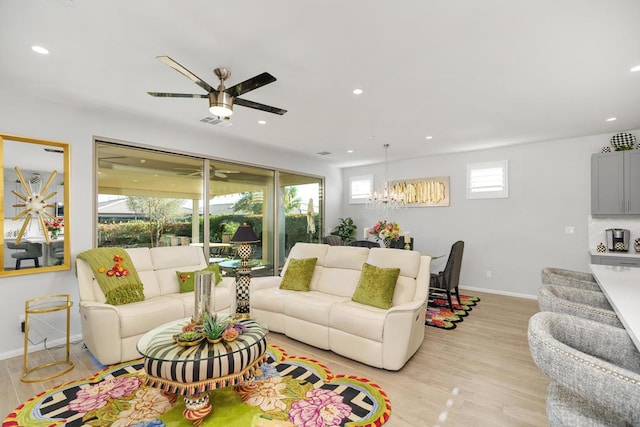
x=270, y=299
x=298, y=275
x=140, y=317
x=141, y=258
x=376, y=286
x=358, y=319
x=341, y=271
x=306, y=250
x=409, y=263
x=186, y=279
x=312, y=306
x=169, y=259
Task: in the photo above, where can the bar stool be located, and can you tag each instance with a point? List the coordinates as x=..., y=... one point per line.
x=594, y=368
x=574, y=279
x=577, y=302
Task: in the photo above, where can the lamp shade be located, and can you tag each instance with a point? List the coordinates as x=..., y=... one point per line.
x=244, y=234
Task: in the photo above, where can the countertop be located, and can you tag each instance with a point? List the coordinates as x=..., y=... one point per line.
x=620, y=285
x=630, y=254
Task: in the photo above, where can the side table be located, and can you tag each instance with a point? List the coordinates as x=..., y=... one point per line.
x=41, y=305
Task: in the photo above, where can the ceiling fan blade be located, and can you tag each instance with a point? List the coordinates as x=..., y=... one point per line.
x=177, y=95
x=179, y=68
x=219, y=174
x=258, y=106
x=251, y=84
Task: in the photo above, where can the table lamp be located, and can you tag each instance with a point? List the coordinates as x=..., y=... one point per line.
x=244, y=235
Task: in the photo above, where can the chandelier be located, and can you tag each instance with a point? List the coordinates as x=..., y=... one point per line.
x=387, y=197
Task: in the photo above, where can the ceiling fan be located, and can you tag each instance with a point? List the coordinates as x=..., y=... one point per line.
x=198, y=172
x=221, y=100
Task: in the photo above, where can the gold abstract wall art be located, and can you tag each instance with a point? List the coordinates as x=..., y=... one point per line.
x=422, y=192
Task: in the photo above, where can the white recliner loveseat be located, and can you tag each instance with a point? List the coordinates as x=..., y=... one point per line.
x=327, y=318
x=111, y=332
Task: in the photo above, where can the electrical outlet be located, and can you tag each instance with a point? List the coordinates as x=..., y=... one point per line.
x=489, y=273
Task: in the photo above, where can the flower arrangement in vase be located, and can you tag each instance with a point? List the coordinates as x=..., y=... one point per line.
x=386, y=231
x=637, y=244
x=54, y=227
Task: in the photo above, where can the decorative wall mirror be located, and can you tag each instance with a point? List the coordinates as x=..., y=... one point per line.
x=35, y=206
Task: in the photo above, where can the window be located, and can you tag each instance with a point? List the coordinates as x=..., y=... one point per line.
x=360, y=188
x=487, y=180
x=149, y=198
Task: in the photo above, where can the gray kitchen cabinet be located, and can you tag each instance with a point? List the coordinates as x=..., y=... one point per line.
x=616, y=260
x=615, y=183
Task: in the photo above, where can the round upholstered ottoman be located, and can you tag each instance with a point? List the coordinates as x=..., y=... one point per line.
x=193, y=371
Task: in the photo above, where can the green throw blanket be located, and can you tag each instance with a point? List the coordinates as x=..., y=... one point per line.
x=115, y=273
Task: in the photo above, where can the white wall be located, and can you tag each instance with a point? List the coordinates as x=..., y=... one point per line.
x=549, y=188
x=22, y=115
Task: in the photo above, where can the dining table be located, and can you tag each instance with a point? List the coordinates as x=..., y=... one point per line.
x=621, y=286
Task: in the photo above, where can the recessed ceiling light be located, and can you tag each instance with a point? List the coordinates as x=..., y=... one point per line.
x=349, y=151
x=612, y=119
x=39, y=49
x=428, y=137
x=262, y=122
x=636, y=68
x=358, y=91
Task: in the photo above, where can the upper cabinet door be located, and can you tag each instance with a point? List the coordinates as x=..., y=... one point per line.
x=632, y=181
x=607, y=184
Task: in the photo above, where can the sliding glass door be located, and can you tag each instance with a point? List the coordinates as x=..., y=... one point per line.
x=153, y=198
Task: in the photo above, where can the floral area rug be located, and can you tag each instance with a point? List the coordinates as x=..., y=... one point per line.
x=289, y=391
x=439, y=315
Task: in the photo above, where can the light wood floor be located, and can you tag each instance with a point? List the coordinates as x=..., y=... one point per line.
x=480, y=374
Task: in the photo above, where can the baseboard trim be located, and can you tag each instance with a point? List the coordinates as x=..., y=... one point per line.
x=37, y=347
x=493, y=291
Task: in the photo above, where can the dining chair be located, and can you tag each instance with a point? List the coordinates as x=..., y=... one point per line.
x=574, y=279
x=28, y=250
x=332, y=240
x=578, y=302
x=594, y=370
x=448, y=279
x=56, y=250
x=365, y=244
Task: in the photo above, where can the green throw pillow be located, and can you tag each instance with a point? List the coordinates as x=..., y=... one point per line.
x=186, y=278
x=298, y=275
x=376, y=286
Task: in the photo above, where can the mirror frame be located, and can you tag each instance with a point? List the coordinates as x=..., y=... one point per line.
x=66, y=264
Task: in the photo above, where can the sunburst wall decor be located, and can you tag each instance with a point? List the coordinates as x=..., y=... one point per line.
x=34, y=204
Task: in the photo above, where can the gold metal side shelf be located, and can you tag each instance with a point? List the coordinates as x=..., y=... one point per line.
x=41, y=305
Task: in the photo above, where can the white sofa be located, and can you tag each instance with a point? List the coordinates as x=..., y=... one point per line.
x=111, y=332
x=327, y=318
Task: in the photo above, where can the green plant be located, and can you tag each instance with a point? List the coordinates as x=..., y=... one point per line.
x=214, y=327
x=189, y=336
x=345, y=229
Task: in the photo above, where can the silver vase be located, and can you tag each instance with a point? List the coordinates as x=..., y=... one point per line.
x=203, y=295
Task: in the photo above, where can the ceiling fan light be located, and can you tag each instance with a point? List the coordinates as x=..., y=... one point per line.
x=221, y=104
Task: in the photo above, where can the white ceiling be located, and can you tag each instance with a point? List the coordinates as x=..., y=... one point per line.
x=473, y=74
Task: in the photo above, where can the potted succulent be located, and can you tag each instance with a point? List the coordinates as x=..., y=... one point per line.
x=189, y=338
x=214, y=327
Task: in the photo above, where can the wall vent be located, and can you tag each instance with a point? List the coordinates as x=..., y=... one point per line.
x=216, y=121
